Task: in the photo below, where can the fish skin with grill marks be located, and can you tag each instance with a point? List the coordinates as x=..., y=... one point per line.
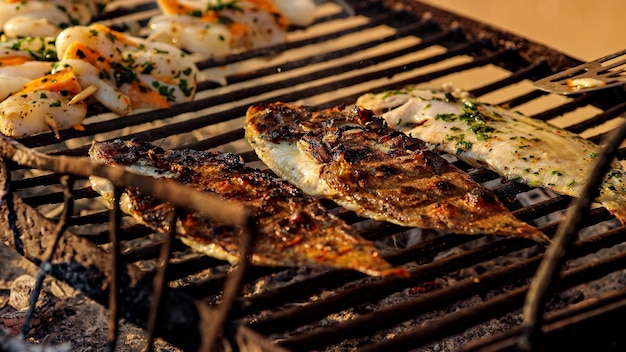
x=354, y=159
x=293, y=229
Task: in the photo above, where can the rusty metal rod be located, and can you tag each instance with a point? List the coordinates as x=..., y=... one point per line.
x=160, y=281
x=232, y=288
x=556, y=254
x=114, y=279
x=45, y=267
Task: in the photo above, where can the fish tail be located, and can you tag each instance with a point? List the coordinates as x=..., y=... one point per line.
x=618, y=209
x=532, y=233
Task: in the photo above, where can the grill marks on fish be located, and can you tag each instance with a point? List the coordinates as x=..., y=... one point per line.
x=354, y=159
x=515, y=146
x=293, y=229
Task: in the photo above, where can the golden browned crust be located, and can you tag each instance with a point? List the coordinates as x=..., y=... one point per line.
x=293, y=229
x=379, y=172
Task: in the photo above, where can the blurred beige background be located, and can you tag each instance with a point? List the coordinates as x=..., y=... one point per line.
x=583, y=29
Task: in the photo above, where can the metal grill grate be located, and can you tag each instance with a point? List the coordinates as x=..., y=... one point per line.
x=456, y=282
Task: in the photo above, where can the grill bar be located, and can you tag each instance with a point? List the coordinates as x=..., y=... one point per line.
x=522, y=99
x=482, y=284
x=496, y=307
x=603, y=315
x=378, y=289
x=524, y=73
x=303, y=289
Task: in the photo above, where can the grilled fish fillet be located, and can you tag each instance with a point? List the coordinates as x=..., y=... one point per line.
x=515, y=146
x=354, y=159
x=293, y=229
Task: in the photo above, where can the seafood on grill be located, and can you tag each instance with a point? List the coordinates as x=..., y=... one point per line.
x=14, y=52
x=33, y=18
x=24, y=59
x=293, y=229
x=515, y=146
x=215, y=28
x=51, y=102
x=14, y=76
x=354, y=159
x=298, y=12
x=126, y=72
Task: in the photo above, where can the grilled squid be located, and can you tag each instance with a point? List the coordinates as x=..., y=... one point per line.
x=126, y=72
x=45, y=103
x=45, y=17
x=216, y=28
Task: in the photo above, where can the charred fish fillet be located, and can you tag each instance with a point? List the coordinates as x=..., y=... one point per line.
x=293, y=229
x=515, y=146
x=354, y=159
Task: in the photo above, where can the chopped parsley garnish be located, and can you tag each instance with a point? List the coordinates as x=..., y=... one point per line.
x=122, y=74
x=450, y=98
x=147, y=67
x=104, y=74
x=223, y=5
x=461, y=143
x=614, y=173
x=482, y=132
x=445, y=117
x=185, y=88
x=224, y=20
x=39, y=48
x=110, y=36
x=164, y=91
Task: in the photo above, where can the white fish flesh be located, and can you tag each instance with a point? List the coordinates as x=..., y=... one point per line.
x=515, y=146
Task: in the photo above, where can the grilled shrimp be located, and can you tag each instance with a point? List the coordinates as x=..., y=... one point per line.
x=216, y=28
x=298, y=12
x=13, y=77
x=22, y=60
x=41, y=104
x=17, y=51
x=45, y=17
x=127, y=72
